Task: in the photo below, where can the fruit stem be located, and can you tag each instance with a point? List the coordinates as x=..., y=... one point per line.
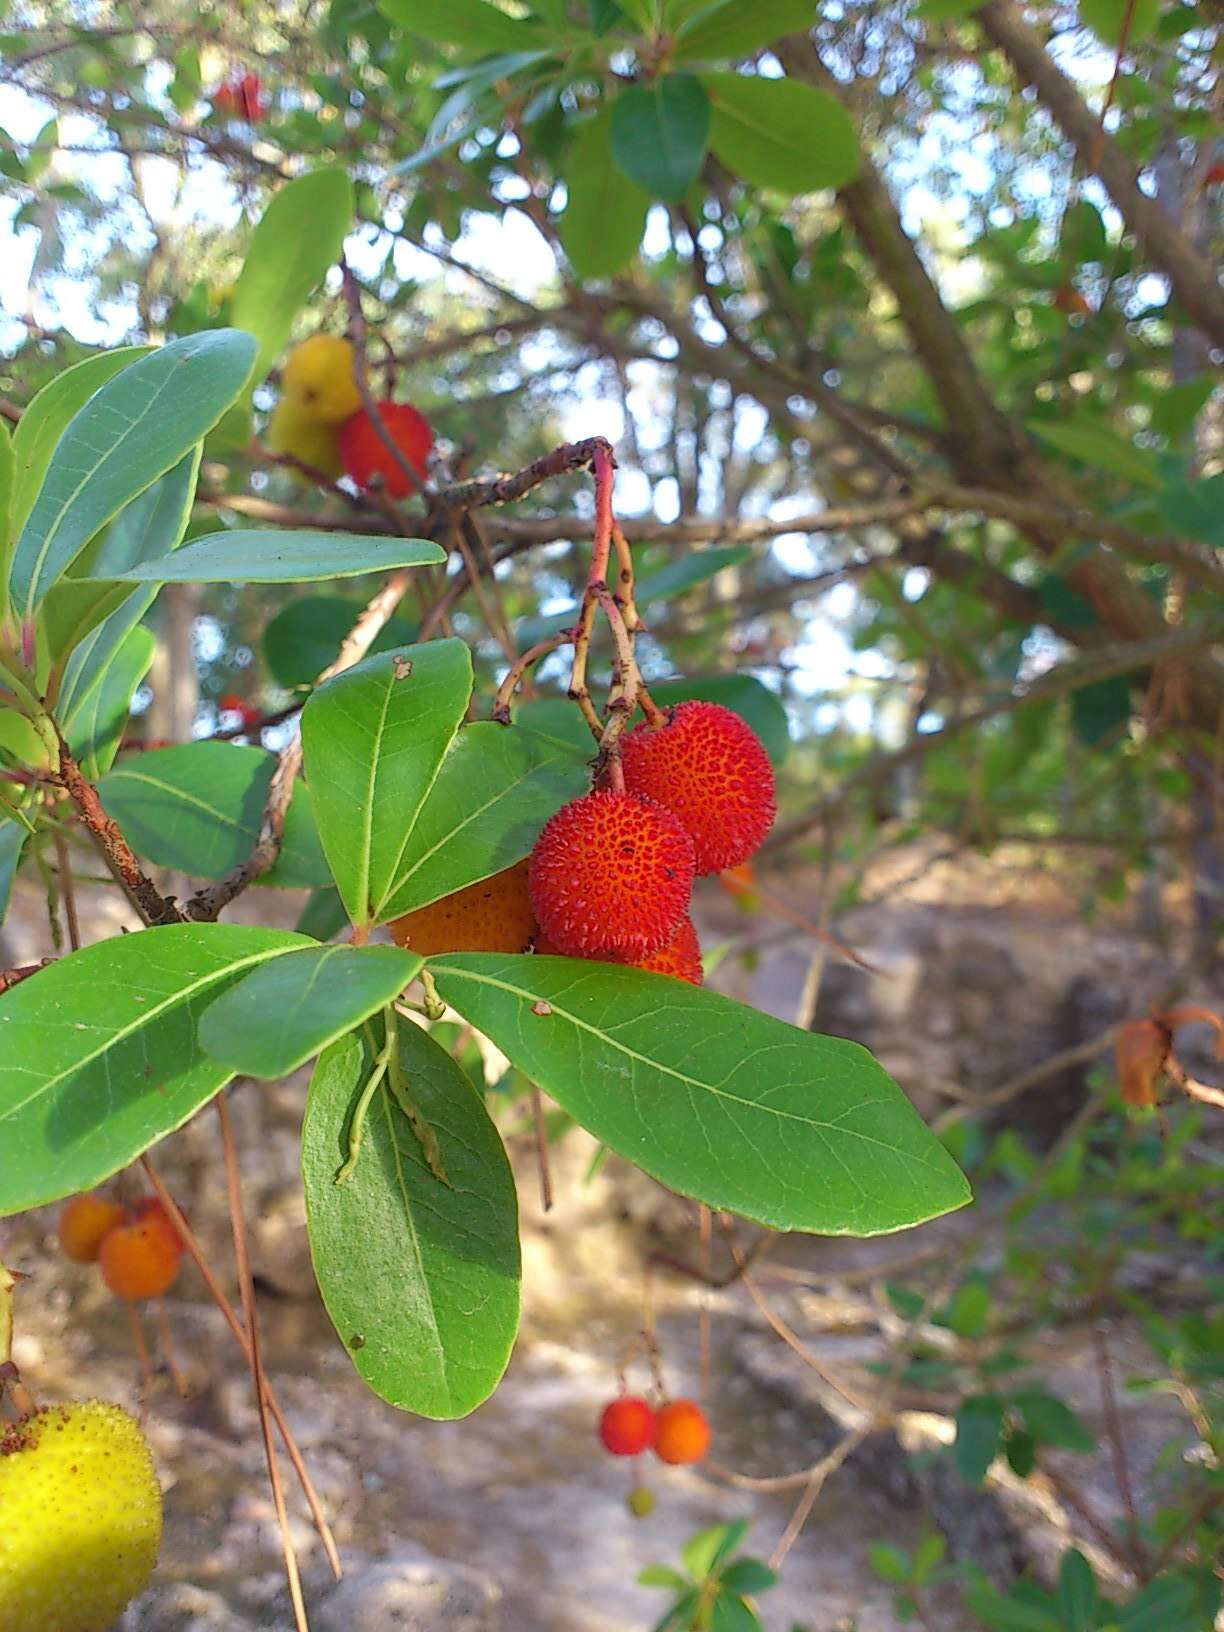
x=518, y=670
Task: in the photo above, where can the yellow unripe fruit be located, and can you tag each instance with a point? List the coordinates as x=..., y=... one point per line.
x=318, y=379
x=290, y=431
x=81, y=1518
x=492, y=916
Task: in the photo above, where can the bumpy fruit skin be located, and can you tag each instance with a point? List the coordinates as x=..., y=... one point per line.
x=82, y=1518
x=492, y=916
x=710, y=769
x=83, y=1225
x=318, y=379
x=681, y=957
x=292, y=432
x=142, y=1259
x=366, y=456
x=627, y=1426
x=683, y=1434
x=611, y=877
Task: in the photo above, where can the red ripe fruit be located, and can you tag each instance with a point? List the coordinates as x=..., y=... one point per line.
x=251, y=99
x=611, y=877
x=681, y=957
x=365, y=455
x=142, y=1259
x=683, y=1433
x=627, y=1427
x=710, y=769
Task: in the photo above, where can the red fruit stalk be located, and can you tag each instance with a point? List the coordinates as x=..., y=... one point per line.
x=710, y=769
x=611, y=877
x=627, y=1426
x=366, y=456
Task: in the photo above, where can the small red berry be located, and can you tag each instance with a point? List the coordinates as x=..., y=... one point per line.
x=365, y=455
x=84, y=1224
x=627, y=1426
x=611, y=877
x=251, y=99
x=710, y=769
x=142, y=1259
x=683, y=1434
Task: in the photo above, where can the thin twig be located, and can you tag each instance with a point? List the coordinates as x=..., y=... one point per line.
x=1117, y=1447
x=63, y=865
x=541, y=1143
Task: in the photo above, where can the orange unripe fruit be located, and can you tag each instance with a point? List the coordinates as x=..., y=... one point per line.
x=366, y=456
x=683, y=1434
x=142, y=1259
x=295, y=432
x=611, y=877
x=84, y=1223
x=627, y=1426
x=492, y=916
x=318, y=379
x=710, y=769
x=82, y=1518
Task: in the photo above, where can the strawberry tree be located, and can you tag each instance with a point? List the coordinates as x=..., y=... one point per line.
x=403, y=787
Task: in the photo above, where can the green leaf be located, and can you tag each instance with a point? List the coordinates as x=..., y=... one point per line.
x=152, y=524
x=373, y=741
x=136, y=426
x=605, y=212
x=927, y=1559
x=198, y=807
x=8, y=474
x=731, y=29
x=269, y=556
x=1096, y=444
x=323, y=915
x=703, y=1552
x=1106, y=17
x=1052, y=1422
x=420, y=1278
x=1178, y=406
x=299, y=236
x=285, y=1013
x=969, y=1311
x=781, y=134
x=99, y=1057
x=1196, y=509
x=732, y=1614
x=304, y=637
x=494, y=791
x=660, y=1575
x=95, y=727
x=979, y=1434
x=749, y=1575
x=1020, y=1449
x=1166, y=1605
x=472, y=23
x=12, y=839
x=947, y=11
x=1077, y=1592
x=679, y=1617
x=46, y=418
x=1102, y=710
x=1007, y=1614
x=891, y=1563
x=660, y=132
x=1082, y=236
x=714, y=1099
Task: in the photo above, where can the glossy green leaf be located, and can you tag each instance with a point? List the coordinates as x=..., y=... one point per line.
x=1106, y=19
x=704, y=1552
x=731, y=29
x=1098, y=445
x=979, y=1435
x=303, y=638
x=420, y=1278
x=270, y=556
x=95, y=727
x=299, y=236
x=286, y=1012
x=151, y=525
x=47, y=416
x=494, y=791
x=472, y=23
x=374, y=739
x=781, y=134
x=197, y=808
x=605, y=212
x=134, y=428
x=660, y=132
x=12, y=841
x=716, y=1100
x=70, y=612
x=99, y=1057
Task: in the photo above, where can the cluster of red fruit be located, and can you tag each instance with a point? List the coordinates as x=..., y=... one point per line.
x=612, y=873
x=678, y=1433
x=242, y=98
x=137, y=1248
x=321, y=422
